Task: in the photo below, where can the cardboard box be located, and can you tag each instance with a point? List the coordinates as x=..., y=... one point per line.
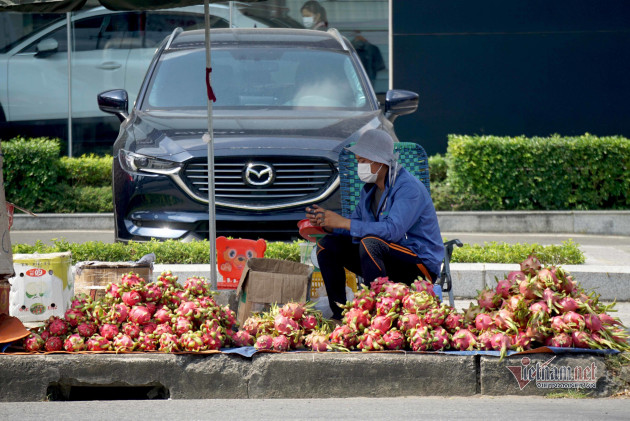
x=92, y=278
x=271, y=281
x=42, y=286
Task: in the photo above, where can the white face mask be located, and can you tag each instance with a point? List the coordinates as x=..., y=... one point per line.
x=365, y=173
x=307, y=21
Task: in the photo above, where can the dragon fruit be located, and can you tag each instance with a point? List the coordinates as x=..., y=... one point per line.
x=409, y=321
x=309, y=322
x=593, y=322
x=119, y=313
x=484, y=340
x=516, y=276
x=441, y=339
x=149, y=327
x=285, y=325
x=264, y=342
x=504, y=288
x=74, y=316
x=152, y=293
x=530, y=289
x=383, y=323
x=454, y=321
x=163, y=315
x=293, y=310
x=394, y=339
x=318, y=341
x=112, y=292
x=357, y=319
x=365, y=299
x=196, y=286
x=422, y=285
x=98, y=343
x=139, y=314
x=87, y=329
x=573, y=320
x=560, y=340
x=531, y=265
x=421, y=339
x=182, y=325
x=74, y=343
x=488, y=299
x=33, y=343
x=212, y=341
x=57, y=326
x=280, y=343
x=378, y=284
x=566, y=304
x=146, y=342
x=108, y=331
x=242, y=338
x=436, y=316
x=483, y=322
x=160, y=329
x=521, y=341
x=168, y=342
x=131, y=298
x=418, y=302
x=167, y=279
x=54, y=343
x=387, y=304
x=131, y=329
x=132, y=280
x=463, y=340
x=192, y=342
x=123, y=342
x=396, y=290
x=580, y=339
x=500, y=342
x=345, y=336
x=371, y=340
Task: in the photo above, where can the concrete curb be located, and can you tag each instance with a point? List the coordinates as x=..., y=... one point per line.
x=611, y=282
x=30, y=378
x=571, y=222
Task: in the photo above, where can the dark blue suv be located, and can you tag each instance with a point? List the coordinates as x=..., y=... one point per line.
x=287, y=102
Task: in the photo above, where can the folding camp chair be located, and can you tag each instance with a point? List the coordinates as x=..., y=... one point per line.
x=414, y=158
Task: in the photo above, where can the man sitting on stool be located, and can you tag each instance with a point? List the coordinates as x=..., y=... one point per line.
x=392, y=232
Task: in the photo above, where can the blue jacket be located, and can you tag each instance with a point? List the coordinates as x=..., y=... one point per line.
x=407, y=218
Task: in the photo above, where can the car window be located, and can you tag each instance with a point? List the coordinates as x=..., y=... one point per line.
x=159, y=25
x=257, y=77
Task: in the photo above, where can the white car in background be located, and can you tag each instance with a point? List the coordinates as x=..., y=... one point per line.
x=111, y=50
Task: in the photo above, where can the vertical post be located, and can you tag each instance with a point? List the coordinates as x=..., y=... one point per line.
x=390, y=37
x=231, y=23
x=6, y=253
x=209, y=139
x=69, y=42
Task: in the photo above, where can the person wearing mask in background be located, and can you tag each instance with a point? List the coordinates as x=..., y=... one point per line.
x=392, y=232
x=314, y=16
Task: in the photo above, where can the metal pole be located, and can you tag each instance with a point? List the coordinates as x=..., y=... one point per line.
x=231, y=24
x=69, y=41
x=209, y=139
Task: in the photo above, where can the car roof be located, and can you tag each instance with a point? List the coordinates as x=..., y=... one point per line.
x=306, y=38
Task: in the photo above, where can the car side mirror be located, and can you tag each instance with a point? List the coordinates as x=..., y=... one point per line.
x=47, y=47
x=114, y=102
x=400, y=102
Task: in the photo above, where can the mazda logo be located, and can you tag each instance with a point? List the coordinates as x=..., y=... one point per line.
x=258, y=174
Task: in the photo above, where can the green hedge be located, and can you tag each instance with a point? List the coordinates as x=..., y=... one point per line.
x=175, y=252
x=38, y=179
x=505, y=173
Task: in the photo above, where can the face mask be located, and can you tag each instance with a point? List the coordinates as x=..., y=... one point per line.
x=365, y=173
x=307, y=21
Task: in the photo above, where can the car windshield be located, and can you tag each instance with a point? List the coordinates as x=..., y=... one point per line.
x=257, y=78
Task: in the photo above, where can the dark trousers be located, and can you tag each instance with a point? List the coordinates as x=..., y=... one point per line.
x=371, y=258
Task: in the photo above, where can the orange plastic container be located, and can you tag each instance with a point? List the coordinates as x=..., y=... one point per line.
x=232, y=255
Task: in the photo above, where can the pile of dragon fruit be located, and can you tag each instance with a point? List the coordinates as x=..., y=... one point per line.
x=136, y=315
x=531, y=307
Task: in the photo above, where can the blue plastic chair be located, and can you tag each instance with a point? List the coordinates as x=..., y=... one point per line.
x=413, y=157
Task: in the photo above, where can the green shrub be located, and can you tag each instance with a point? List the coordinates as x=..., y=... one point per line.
x=30, y=171
x=80, y=199
x=437, y=168
x=505, y=173
x=87, y=170
x=175, y=252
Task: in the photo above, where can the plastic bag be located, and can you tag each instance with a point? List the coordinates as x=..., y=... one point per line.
x=322, y=305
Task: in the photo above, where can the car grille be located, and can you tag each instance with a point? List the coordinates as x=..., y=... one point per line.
x=296, y=179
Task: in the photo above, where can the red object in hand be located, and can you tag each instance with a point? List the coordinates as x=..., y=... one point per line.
x=307, y=230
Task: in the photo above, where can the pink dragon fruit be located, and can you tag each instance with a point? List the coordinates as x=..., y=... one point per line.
x=484, y=340
x=146, y=342
x=161, y=329
x=422, y=285
x=123, y=342
x=378, y=284
x=483, y=322
x=168, y=342
x=421, y=339
x=608, y=320
x=530, y=289
x=309, y=322
x=190, y=310
x=112, y=292
x=131, y=298
x=463, y=340
x=213, y=341
x=98, y=343
x=371, y=340
x=54, y=343
x=560, y=340
x=182, y=325
x=119, y=313
x=87, y=329
x=516, y=276
x=293, y=310
x=418, y=302
x=132, y=280
x=566, y=304
x=488, y=299
x=436, y=316
x=500, y=342
x=74, y=343
x=574, y=320
x=149, y=327
x=139, y=314
x=344, y=336
x=580, y=339
x=163, y=315
x=264, y=342
x=394, y=339
x=383, y=323
x=280, y=343
x=131, y=329
x=33, y=343
x=504, y=288
x=441, y=339
x=152, y=293
x=108, y=331
x=521, y=341
x=531, y=265
x=409, y=321
x=365, y=299
x=593, y=322
x=167, y=279
x=191, y=342
x=454, y=321
x=285, y=325
x=74, y=316
x=357, y=319
x=228, y=317
x=242, y=338
x=318, y=341
x=57, y=326
x=504, y=320
x=547, y=277
x=387, y=304
x=396, y=290
x=80, y=301
x=558, y=324
x=196, y=286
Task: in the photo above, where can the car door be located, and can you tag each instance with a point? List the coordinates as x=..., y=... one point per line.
x=38, y=83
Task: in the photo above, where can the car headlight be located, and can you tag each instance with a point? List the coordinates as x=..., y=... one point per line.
x=134, y=162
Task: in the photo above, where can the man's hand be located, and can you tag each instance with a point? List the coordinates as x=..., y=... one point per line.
x=326, y=219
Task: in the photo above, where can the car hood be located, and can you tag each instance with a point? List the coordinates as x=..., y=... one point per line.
x=179, y=136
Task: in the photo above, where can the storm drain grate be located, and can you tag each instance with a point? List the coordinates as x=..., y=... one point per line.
x=59, y=392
